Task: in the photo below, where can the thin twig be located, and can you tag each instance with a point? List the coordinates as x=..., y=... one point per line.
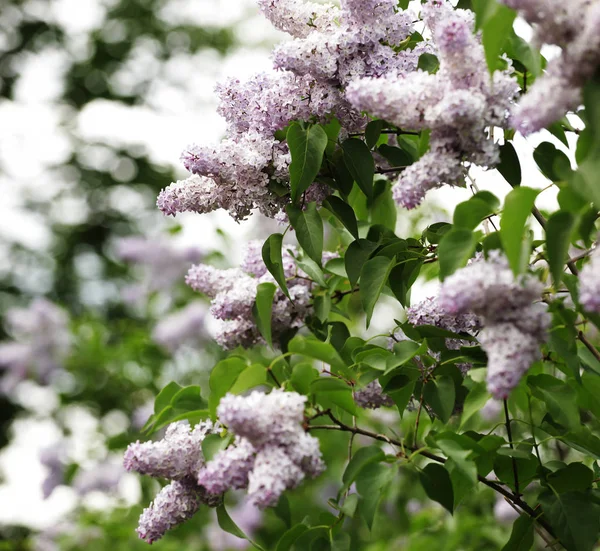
x=381, y=170
x=510, y=442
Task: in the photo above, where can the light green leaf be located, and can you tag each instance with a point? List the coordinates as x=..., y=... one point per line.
x=439, y=394
x=521, y=537
x=517, y=208
x=362, y=458
x=222, y=377
x=262, y=309
x=272, y=257
x=334, y=390
x=455, y=249
x=319, y=350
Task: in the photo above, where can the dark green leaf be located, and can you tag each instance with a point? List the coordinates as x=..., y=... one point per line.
x=395, y=155
x=553, y=163
x=558, y=238
x=455, y=248
x=429, y=63
x=271, y=255
x=373, y=277
x=262, y=309
x=344, y=213
x=383, y=207
x=319, y=350
x=356, y=255
x=521, y=537
x=213, y=444
x=439, y=394
x=572, y=478
x=437, y=485
x=372, y=133
x=360, y=164
x=560, y=399
x=509, y=165
x=289, y=538
x=309, y=229
x=307, y=146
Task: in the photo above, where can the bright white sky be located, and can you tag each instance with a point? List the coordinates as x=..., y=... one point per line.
x=181, y=109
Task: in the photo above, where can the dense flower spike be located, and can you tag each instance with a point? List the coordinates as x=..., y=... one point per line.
x=575, y=26
x=458, y=103
x=272, y=452
x=589, y=284
x=163, y=264
x=513, y=326
x=372, y=396
x=177, y=457
x=41, y=343
x=234, y=292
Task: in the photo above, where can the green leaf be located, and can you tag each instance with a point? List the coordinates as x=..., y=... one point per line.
x=302, y=375
x=373, y=277
x=395, y=155
x=372, y=132
x=475, y=400
x=439, y=394
x=469, y=214
x=429, y=63
x=343, y=212
x=283, y=511
x=309, y=229
x=262, y=309
x=187, y=399
x=165, y=395
x=356, y=255
x=222, y=378
x=437, y=485
x=289, y=538
x=558, y=238
x=307, y=147
x=523, y=51
x=312, y=270
x=334, y=390
x=362, y=458
x=560, y=399
x=455, y=248
x=383, y=207
x=553, y=163
x=509, y=165
x=360, y=164
x=319, y=350
x=213, y=444
x=517, y=208
x=574, y=517
x=521, y=537
x=403, y=351
x=226, y=523
x=271, y=255
x=253, y=376
x=496, y=30
x=572, y=478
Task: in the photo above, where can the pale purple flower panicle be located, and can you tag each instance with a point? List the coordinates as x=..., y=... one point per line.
x=458, y=104
x=589, y=284
x=372, y=396
x=298, y=17
x=513, y=325
x=174, y=504
x=233, y=293
x=185, y=325
x=54, y=459
x=575, y=27
x=42, y=342
x=177, y=457
x=103, y=477
x=271, y=453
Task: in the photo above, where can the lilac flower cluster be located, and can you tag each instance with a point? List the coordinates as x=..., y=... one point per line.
x=458, y=104
x=575, y=27
x=185, y=325
x=271, y=453
x=589, y=284
x=162, y=263
x=41, y=343
x=372, y=396
x=178, y=457
x=233, y=293
x=513, y=325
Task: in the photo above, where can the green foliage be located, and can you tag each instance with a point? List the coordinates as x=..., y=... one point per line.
x=307, y=146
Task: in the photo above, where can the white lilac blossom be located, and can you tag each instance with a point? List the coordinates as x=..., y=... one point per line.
x=459, y=104
x=54, y=459
x=299, y=17
x=185, y=325
x=575, y=27
x=589, y=284
x=162, y=263
x=271, y=452
x=372, y=396
x=103, y=477
x=177, y=457
x=42, y=342
x=514, y=326
x=233, y=293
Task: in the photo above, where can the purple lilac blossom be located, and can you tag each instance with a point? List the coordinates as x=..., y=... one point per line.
x=458, y=103
x=513, y=325
x=589, y=284
x=42, y=342
x=575, y=27
x=54, y=459
x=103, y=477
x=185, y=325
x=177, y=457
x=372, y=396
x=271, y=453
